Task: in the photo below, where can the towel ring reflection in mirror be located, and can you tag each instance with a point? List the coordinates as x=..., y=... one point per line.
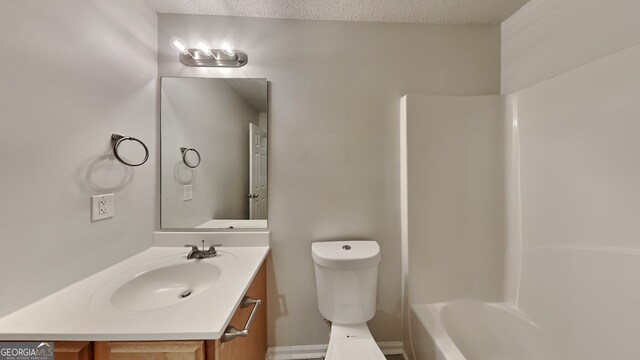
x=117, y=139
x=184, y=152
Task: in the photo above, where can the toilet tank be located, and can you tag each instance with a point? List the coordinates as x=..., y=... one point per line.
x=346, y=279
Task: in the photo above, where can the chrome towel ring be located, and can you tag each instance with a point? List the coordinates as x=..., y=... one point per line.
x=184, y=152
x=117, y=139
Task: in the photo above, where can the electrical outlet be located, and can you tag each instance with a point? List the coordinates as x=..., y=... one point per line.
x=188, y=193
x=102, y=207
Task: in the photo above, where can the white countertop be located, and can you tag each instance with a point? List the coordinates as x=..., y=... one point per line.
x=70, y=314
x=233, y=224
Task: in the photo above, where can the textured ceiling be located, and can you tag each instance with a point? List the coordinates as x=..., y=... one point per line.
x=405, y=11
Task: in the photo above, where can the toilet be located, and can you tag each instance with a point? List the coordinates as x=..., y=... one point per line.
x=346, y=285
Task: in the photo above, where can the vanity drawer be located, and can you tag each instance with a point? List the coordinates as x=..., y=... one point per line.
x=144, y=350
x=72, y=350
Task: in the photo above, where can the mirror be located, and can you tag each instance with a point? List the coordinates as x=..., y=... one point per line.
x=213, y=153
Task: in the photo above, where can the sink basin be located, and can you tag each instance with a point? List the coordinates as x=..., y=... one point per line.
x=165, y=286
x=163, y=283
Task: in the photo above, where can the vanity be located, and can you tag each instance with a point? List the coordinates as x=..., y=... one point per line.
x=159, y=305
x=253, y=346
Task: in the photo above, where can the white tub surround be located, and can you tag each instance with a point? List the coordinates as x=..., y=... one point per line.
x=90, y=309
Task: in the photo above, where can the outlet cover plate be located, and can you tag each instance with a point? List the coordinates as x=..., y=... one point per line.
x=102, y=207
x=188, y=193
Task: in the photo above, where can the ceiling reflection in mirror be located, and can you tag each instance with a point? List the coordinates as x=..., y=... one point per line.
x=213, y=136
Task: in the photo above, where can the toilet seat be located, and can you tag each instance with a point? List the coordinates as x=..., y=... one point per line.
x=349, y=342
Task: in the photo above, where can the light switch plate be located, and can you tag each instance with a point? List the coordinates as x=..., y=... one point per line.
x=188, y=193
x=102, y=207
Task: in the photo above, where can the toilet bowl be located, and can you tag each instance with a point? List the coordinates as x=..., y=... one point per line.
x=346, y=283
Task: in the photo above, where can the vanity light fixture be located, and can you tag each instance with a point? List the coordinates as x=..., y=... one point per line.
x=204, y=56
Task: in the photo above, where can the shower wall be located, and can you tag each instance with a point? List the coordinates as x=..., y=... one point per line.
x=547, y=38
x=576, y=271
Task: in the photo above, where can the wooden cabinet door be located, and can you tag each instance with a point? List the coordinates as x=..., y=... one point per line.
x=72, y=350
x=149, y=350
x=254, y=346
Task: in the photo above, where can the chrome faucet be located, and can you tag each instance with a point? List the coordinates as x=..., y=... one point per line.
x=196, y=253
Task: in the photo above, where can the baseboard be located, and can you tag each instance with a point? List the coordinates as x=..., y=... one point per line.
x=296, y=352
x=318, y=351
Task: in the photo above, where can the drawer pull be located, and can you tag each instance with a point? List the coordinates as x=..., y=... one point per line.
x=231, y=332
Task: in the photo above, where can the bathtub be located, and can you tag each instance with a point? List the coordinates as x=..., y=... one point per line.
x=475, y=330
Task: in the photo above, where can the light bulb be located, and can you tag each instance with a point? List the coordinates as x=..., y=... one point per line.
x=179, y=45
x=203, y=48
x=227, y=49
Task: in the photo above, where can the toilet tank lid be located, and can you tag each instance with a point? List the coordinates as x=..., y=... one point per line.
x=350, y=254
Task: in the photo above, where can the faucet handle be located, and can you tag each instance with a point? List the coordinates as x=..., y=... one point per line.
x=193, y=247
x=212, y=250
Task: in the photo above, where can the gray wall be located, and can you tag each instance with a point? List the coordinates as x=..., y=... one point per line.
x=456, y=198
x=334, y=137
x=212, y=118
x=73, y=72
